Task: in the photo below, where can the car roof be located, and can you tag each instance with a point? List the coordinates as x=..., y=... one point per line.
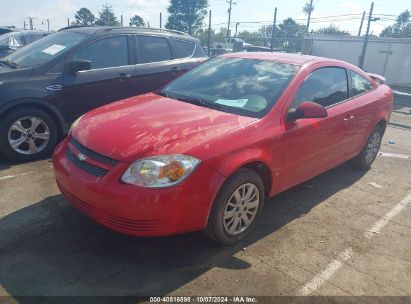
x=296, y=59
x=106, y=30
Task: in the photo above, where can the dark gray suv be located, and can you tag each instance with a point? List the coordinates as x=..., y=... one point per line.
x=46, y=85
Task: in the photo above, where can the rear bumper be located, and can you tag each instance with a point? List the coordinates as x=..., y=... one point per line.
x=136, y=210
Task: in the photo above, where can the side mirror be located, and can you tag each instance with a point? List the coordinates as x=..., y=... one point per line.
x=307, y=109
x=74, y=66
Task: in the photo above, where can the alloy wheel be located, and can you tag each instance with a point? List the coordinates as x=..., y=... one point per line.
x=29, y=135
x=372, y=147
x=241, y=209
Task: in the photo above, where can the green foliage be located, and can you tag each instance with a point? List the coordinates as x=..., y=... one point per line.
x=331, y=30
x=187, y=15
x=136, y=20
x=307, y=8
x=84, y=17
x=107, y=17
x=401, y=28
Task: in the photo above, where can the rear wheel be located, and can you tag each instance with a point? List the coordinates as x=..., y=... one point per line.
x=27, y=134
x=236, y=208
x=370, y=150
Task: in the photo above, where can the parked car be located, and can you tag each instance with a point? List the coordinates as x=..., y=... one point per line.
x=46, y=85
x=8, y=29
x=229, y=43
x=12, y=41
x=205, y=151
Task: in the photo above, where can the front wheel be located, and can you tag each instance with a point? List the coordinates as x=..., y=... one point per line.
x=27, y=134
x=370, y=151
x=236, y=207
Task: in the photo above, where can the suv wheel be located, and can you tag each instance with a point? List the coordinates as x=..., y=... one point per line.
x=27, y=134
x=236, y=207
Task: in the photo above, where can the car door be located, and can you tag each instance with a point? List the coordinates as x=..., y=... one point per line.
x=314, y=145
x=364, y=112
x=159, y=62
x=108, y=80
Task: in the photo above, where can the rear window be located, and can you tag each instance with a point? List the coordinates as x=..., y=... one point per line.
x=153, y=49
x=182, y=49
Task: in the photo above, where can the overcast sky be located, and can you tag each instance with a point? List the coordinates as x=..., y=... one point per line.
x=57, y=11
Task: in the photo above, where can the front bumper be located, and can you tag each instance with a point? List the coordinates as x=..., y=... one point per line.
x=136, y=210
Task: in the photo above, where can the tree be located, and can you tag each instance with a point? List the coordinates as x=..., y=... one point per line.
x=401, y=28
x=107, y=17
x=136, y=20
x=307, y=8
x=290, y=35
x=84, y=17
x=331, y=30
x=186, y=15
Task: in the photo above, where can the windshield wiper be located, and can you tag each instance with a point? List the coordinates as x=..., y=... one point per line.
x=9, y=64
x=191, y=99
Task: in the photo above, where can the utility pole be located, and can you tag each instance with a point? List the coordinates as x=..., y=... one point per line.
x=236, y=28
x=31, y=22
x=309, y=15
x=364, y=48
x=230, y=2
x=68, y=21
x=273, y=30
x=161, y=20
x=209, y=35
x=121, y=20
x=362, y=22
x=24, y=22
x=48, y=25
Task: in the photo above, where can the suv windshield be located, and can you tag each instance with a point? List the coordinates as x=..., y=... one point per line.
x=243, y=86
x=45, y=49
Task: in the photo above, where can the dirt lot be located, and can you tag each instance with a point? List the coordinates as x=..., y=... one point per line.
x=336, y=234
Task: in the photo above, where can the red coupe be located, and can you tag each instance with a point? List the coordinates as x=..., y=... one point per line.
x=205, y=151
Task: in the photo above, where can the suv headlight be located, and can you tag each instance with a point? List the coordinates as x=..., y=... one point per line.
x=160, y=171
x=74, y=124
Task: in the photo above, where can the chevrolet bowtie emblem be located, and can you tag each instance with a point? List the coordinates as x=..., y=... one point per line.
x=81, y=157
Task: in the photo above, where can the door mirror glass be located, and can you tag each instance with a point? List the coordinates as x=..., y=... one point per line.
x=307, y=109
x=78, y=65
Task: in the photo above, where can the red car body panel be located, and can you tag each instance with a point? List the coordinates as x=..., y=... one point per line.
x=148, y=125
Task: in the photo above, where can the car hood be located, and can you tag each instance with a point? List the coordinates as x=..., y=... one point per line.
x=153, y=125
x=10, y=74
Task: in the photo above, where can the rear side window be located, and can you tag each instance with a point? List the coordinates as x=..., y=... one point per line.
x=360, y=85
x=105, y=53
x=199, y=52
x=182, y=49
x=153, y=49
x=325, y=86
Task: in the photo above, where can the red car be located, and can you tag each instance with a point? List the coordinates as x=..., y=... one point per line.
x=205, y=151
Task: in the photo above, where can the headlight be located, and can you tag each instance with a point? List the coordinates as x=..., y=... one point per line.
x=160, y=171
x=74, y=124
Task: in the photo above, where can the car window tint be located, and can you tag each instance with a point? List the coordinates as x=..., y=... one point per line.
x=182, y=49
x=360, y=85
x=325, y=86
x=105, y=53
x=153, y=49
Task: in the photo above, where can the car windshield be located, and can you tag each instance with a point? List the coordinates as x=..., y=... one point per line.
x=44, y=49
x=242, y=86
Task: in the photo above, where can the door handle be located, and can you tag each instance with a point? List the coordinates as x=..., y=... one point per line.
x=124, y=76
x=54, y=88
x=349, y=117
x=175, y=69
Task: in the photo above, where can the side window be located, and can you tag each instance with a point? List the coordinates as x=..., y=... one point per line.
x=153, y=49
x=105, y=53
x=199, y=52
x=182, y=49
x=360, y=85
x=325, y=86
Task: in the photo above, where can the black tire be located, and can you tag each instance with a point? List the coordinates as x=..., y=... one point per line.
x=215, y=228
x=10, y=118
x=360, y=161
